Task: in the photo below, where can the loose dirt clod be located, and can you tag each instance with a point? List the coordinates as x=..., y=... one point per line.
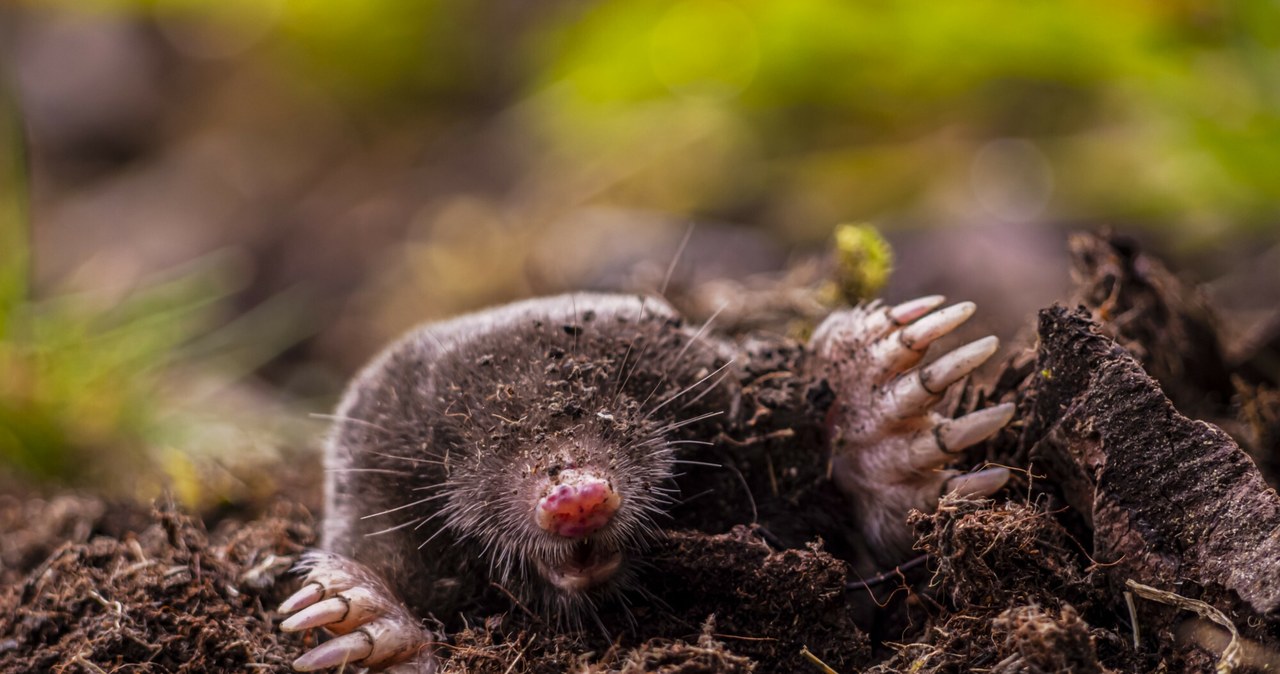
x=1015, y=586
x=1039, y=640
x=768, y=604
x=715, y=603
x=990, y=555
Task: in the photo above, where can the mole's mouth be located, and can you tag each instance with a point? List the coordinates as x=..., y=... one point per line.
x=588, y=565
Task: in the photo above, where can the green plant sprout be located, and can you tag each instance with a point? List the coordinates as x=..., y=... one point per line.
x=116, y=395
x=864, y=261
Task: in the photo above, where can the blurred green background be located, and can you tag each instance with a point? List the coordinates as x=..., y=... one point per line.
x=233, y=203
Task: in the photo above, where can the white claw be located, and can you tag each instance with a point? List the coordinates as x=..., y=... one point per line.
x=901, y=349
x=309, y=594
x=348, y=648
x=393, y=641
x=324, y=613
x=909, y=397
x=343, y=612
x=933, y=448
x=914, y=392
x=957, y=434
x=920, y=334
x=924, y=453
x=910, y=310
x=951, y=367
x=982, y=483
x=349, y=599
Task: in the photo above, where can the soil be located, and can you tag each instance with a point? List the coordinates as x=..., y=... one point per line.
x=1144, y=453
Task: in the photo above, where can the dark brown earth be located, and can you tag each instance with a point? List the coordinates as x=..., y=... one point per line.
x=1124, y=473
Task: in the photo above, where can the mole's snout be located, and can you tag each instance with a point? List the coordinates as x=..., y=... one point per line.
x=577, y=505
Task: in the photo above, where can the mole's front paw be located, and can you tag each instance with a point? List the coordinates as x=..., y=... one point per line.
x=375, y=630
x=888, y=448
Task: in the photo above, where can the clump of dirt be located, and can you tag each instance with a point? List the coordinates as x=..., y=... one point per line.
x=1258, y=428
x=167, y=598
x=1040, y=640
x=1012, y=586
x=486, y=651
x=1167, y=325
x=990, y=556
x=768, y=604
x=714, y=603
x=493, y=647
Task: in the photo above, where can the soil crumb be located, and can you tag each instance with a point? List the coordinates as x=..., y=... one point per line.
x=168, y=597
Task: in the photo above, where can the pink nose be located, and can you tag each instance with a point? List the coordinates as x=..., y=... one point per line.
x=579, y=504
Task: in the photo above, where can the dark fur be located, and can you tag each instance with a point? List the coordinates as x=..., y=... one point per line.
x=441, y=442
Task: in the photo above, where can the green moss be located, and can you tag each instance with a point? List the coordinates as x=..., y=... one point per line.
x=864, y=261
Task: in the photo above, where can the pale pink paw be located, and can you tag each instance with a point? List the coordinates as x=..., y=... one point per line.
x=889, y=449
x=373, y=628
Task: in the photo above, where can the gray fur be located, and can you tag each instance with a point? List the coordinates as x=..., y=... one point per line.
x=441, y=440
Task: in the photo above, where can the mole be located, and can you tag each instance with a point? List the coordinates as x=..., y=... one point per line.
x=539, y=447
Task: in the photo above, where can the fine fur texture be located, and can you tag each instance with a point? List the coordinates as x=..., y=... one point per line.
x=443, y=444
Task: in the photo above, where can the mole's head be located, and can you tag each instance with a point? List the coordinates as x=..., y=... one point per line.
x=567, y=511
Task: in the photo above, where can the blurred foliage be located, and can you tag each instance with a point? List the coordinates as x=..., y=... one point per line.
x=94, y=388
x=119, y=392
x=81, y=379
x=1152, y=111
x=376, y=51
x=1156, y=112
x=14, y=246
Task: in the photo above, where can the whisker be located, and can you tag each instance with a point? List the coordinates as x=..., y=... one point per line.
x=431, y=538
x=709, y=389
x=383, y=471
x=391, y=529
x=691, y=442
x=407, y=505
x=697, y=463
x=339, y=417
x=635, y=366
x=689, y=388
x=428, y=519
x=407, y=458
x=675, y=259
x=436, y=338
x=577, y=328
x=695, y=496
x=755, y=514
x=676, y=360
x=681, y=424
x=623, y=367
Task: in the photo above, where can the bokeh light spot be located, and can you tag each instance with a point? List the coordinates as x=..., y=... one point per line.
x=1011, y=179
